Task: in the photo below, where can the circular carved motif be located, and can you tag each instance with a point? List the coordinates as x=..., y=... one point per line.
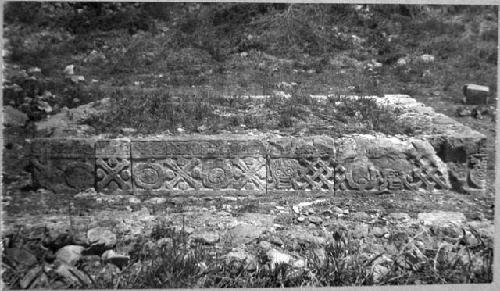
x=216, y=178
x=148, y=176
x=79, y=175
x=183, y=185
x=286, y=169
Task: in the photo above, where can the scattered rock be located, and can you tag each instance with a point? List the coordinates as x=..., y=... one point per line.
x=265, y=245
x=360, y=230
x=128, y=130
x=441, y=217
x=402, y=62
x=34, y=70
x=13, y=117
x=73, y=276
x=237, y=255
x=461, y=112
x=379, y=231
x=157, y=200
x=69, y=70
x=426, y=59
x=118, y=260
x=35, y=278
x=207, y=238
x=276, y=257
x=20, y=258
x=316, y=220
x=100, y=239
x=360, y=216
x=398, y=216
x=69, y=254
x=301, y=218
x=245, y=232
x=379, y=272
x=476, y=94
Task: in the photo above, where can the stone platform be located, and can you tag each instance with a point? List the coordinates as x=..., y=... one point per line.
x=269, y=163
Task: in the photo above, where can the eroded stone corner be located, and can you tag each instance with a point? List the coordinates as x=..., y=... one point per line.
x=63, y=165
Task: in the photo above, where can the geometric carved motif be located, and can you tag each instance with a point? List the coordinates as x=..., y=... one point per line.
x=362, y=178
x=186, y=173
x=312, y=173
x=113, y=174
x=113, y=171
x=168, y=174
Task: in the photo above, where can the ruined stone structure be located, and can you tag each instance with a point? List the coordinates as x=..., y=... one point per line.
x=269, y=163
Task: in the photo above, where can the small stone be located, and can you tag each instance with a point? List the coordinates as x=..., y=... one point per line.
x=426, y=58
x=34, y=70
x=361, y=216
x=476, y=94
x=128, y=130
x=244, y=54
x=73, y=275
x=299, y=263
x=402, y=62
x=101, y=237
x=69, y=254
x=165, y=242
x=316, y=220
x=19, y=257
x=207, y=238
x=265, y=245
x=276, y=241
x=360, y=231
x=35, y=278
x=379, y=231
x=157, y=200
x=441, y=217
x=276, y=257
x=77, y=78
x=337, y=210
x=69, y=70
x=134, y=200
x=387, y=236
x=118, y=260
x=301, y=219
x=379, y=272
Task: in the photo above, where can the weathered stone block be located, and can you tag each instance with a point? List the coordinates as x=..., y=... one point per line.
x=311, y=146
x=206, y=163
x=476, y=94
x=113, y=169
x=378, y=163
x=301, y=173
x=63, y=165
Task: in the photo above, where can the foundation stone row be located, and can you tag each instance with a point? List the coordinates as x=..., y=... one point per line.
x=263, y=164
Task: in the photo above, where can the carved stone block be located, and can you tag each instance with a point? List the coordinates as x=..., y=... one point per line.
x=313, y=173
x=199, y=164
x=113, y=169
x=63, y=165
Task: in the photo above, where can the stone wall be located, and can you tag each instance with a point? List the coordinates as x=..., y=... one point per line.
x=263, y=163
